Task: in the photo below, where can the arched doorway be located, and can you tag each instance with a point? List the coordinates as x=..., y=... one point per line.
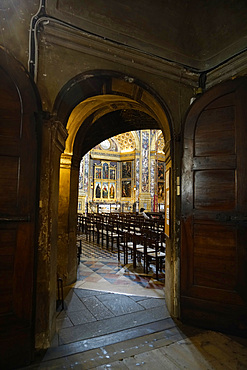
x=91, y=108
x=19, y=125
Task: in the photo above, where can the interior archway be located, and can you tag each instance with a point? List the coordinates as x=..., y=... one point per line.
x=103, y=106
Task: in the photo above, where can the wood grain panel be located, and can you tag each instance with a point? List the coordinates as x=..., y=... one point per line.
x=7, y=257
x=214, y=210
x=18, y=161
x=215, y=132
x=10, y=108
x=214, y=190
x=214, y=256
x=9, y=183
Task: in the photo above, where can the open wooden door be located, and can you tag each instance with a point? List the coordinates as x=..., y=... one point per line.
x=18, y=159
x=214, y=210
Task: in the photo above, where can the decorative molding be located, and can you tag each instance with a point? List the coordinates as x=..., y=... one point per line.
x=77, y=40
x=59, y=133
x=229, y=70
x=127, y=156
x=126, y=141
x=66, y=161
x=104, y=155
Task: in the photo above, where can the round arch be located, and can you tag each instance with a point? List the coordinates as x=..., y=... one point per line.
x=93, y=107
x=86, y=113
x=95, y=89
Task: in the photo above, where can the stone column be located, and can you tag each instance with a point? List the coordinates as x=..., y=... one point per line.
x=53, y=140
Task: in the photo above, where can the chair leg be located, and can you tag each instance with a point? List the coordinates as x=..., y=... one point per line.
x=98, y=235
x=118, y=249
x=134, y=255
x=157, y=268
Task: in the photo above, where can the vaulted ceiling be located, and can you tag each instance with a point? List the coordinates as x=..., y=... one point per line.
x=199, y=34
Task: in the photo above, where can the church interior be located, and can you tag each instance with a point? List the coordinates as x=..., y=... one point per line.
x=108, y=108
x=114, y=175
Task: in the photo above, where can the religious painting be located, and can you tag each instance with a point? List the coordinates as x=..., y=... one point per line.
x=97, y=190
x=126, y=189
x=112, y=190
x=105, y=171
x=161, y=189
x=98, y=173
x=105, y=190
x=112, y=174
x=161, y=172
x=126, y=169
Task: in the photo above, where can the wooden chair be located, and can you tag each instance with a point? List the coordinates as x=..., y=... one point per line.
x=137, y=247
x=113, y=235
x=104, y=231
x=89, y=227
x=159, y=253
x=122, y=234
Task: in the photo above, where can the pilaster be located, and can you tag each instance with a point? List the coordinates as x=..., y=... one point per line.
x=53, y=141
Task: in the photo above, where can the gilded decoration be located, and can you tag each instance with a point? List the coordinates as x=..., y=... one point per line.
x=124, y=173
x=145, y=160
x=104, y=180
x=161, y=180
x=161, y=143
x=126, y=142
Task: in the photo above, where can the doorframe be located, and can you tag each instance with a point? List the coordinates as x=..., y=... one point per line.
x=107, y=84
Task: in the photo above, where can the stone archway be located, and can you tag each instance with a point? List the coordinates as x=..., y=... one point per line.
x=90, y=107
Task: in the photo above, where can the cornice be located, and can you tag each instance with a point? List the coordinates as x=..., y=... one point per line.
x=59, y=133
x=106, y=156
x=77, y=40
x=66, y=160
x=233, y=68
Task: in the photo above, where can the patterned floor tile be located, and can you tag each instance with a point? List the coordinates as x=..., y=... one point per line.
x=101, y=267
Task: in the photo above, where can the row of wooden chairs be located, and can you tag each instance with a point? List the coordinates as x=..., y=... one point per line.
x=131, y=234
x=147, y=245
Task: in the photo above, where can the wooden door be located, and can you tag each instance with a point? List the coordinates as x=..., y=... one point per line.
x=214, y=210
x=18, y=157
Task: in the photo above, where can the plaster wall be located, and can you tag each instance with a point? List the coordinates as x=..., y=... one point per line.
x=62, y=54
x=48, y=218
x=60, y=58
x=58, y=64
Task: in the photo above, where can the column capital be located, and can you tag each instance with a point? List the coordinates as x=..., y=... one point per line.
x=59, y=133
x=66, y=160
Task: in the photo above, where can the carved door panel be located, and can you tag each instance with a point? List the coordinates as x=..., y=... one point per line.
x=18, y=157
x=214, y=210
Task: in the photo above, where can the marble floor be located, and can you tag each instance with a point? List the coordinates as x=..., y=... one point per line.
x=99, y=269
x=116, y=318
